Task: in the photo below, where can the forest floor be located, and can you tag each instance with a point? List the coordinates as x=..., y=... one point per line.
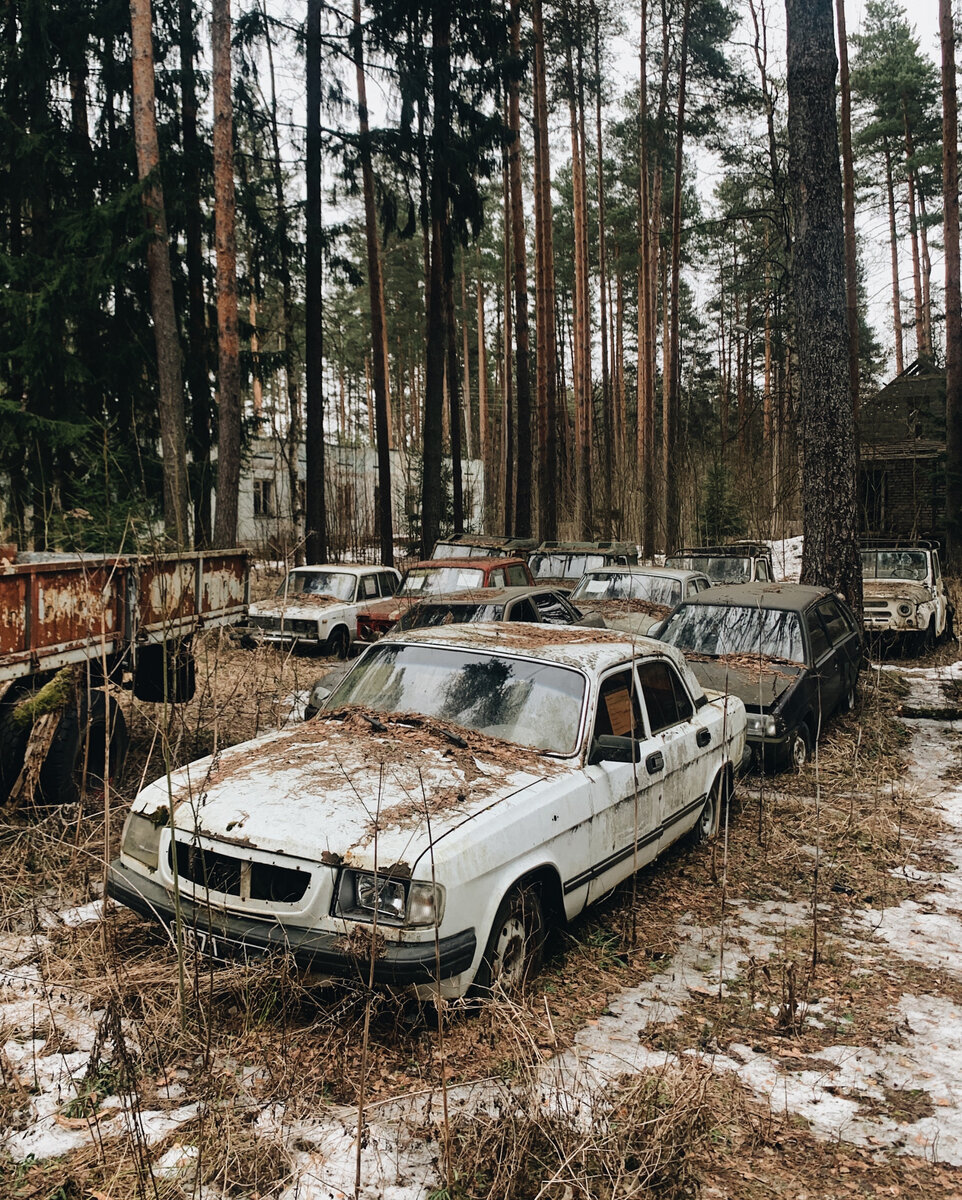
x=778, y=1014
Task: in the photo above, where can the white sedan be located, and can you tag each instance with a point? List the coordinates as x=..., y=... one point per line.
x=461, y=790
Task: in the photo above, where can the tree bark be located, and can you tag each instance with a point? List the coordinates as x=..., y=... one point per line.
x=547, y=347
x=608, y=463
x=830, y=469
x=228, y=341
x=848, y=196
x=673, y=464
x=315, y=502
x=953, y=304
x=525, y=449
x=170, y=385
x=376, y=294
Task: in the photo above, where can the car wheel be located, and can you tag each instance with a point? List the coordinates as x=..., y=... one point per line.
x=800, y=748
x=339, y=643
x=706, y=826
x=516, y=943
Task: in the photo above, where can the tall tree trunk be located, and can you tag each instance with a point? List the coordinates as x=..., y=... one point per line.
x=315, y=502
x=830, y=468
x=646, y=348
x=198, y=378
x=484, y=436
x=170, y=386
x=466, y=366
x=953, y=305
x=579, y=373
x=434, y=386
x=507, y=387
x=295, y=425
x=453, y=392
x=523, y=495
x=848, y=196
x=673, y=457
x=228, y=341
x=376, y=293
x=894, y=255
x=547, y=348
x=607, y=455
x=920, y=347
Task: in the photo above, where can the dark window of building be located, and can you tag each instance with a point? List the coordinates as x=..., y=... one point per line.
x=263, y=497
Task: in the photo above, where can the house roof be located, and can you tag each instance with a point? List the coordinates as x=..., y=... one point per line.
x=908, y=411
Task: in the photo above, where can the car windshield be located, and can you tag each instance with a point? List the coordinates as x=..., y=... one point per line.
x=420, y=580
x=424, y=615
x=732, y=629
x=628, y=586
x=337, y=584
x=720, y=568
x=459, y=550
x=895, y=564
x=533, y=704
x=564, y=566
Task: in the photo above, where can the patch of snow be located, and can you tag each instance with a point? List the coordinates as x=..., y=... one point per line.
x=787, y=558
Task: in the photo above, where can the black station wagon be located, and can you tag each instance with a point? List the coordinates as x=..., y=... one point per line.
x=792, y=653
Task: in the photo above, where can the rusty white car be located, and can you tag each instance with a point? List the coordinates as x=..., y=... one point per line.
x=461, y=791
x=903, y=591
x=317, y=606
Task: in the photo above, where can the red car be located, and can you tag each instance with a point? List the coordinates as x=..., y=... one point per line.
x=436, y=576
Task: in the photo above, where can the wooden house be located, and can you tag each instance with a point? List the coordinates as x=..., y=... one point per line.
x=902, y=469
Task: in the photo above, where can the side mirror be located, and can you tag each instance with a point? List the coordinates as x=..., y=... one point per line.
x=319, y=693
x=610, y=748
x=655, y=631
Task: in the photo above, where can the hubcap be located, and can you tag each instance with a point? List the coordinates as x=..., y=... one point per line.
x=799, y=752
x=510, y=953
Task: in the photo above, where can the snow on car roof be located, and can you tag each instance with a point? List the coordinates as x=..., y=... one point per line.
x=566, y=645
x=680, y=574
x=341, y=568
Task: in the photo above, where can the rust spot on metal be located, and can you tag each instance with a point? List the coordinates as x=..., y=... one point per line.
x=329, y=859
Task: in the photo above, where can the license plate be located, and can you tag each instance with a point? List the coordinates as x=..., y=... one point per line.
x=217, y=947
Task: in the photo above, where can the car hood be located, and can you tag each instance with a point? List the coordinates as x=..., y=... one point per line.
x=303, y=606
x=897, y=589
x=758, y=682
x=326, y=789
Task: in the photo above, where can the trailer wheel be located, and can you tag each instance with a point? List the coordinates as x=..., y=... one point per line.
x=75, y=760
x=13, y=741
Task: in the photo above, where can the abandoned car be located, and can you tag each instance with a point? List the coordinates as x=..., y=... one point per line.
x=904, y=593
x=636, y=598
x=735, y=562
x=318, y=606
x=476, y=545
x=564, y=563
x=792, y=653
x=537, y=605
x=462, y=790
x=434, y=577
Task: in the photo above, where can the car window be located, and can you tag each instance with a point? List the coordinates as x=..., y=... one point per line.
x=692, y=589
x=522, y=610
x=618, y=713
x=369, y=587
x=517, y=576
x=388, y=583
x=818, y=636
x=834, y=620
x=553, y=609
x=936, y=567
x=666, y=700
x=496, y=579
x=762, y=570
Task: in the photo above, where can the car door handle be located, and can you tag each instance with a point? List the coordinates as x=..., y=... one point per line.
x=703, y=737
x=655, y=763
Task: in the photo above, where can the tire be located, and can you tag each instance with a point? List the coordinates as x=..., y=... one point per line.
x=799, y=749
x=339, y=643
x=515, y=945
x=75, y=761
x=706, y=827
x=849, y=699
x=178, y=665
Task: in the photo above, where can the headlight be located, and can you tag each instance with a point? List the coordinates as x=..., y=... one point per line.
x=905, y=610
x=362, y=894
x=141, y=839
x=761, y=725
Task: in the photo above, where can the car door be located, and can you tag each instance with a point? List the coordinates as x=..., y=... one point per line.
x=554, y=609
x=626, y=795
x=684, y=735
x=845, y=640
x=827, y=668
x=521, y=610
x=941, y=596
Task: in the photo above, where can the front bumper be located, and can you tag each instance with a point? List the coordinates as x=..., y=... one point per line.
x=228, y=935
x=274, y=637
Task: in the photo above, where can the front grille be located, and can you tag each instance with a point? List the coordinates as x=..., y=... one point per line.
x=875, y=603
x=276, y=624
x=216, y=872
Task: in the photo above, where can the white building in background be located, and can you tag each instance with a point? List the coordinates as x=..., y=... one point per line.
x=351, y=483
